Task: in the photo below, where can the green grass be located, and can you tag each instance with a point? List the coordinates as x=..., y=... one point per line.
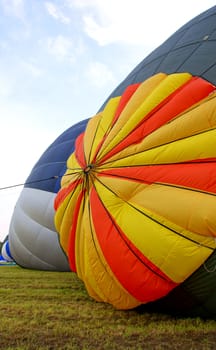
x=51, y=310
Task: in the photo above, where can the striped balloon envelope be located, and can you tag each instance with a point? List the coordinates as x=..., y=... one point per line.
x=136, y=208
x=5, y=251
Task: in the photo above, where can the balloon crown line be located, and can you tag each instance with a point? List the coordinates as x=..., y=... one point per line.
x=86, y=170
x=54, y=177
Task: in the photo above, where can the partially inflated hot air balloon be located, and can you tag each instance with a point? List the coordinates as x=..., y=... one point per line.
x=5, y=251
x=139, y=224
x=136, y=212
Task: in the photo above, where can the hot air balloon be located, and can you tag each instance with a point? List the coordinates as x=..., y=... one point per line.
x=100, y=219
x=5, y=252
x=136, y=212
x=2, y=260
x=32, y=235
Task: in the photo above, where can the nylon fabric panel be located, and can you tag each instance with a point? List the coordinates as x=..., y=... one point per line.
x=195, y=120
x=200, y=118
x=63, y=194
x=162, y=91
x=93, y=268
x=33, y=239
x=196, y=147
x=64, y=214
x=176, y=104
x=163, y=247
x=83, y=228
x=73, y=231
x=99, y=128
x=145, y=89
x=194, y=176
x=73, y=169
x=66, y=191
x=79, y=151
x=192, y=212
x=91, y=128
x=136, y=100
x=140, y=278
x=125, y=99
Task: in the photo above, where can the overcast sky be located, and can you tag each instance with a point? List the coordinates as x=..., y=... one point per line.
x=59, y=61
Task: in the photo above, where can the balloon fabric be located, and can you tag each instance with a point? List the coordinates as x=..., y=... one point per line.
x=136, y=209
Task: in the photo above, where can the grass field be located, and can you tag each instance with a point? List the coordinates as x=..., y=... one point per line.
x=51, y=310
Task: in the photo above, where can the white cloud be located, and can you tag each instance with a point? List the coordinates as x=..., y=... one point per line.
x=64, y=48
x=61, y=47
x=56, y=13
x=102, y=34
x=14, y=8
x=99, y=74
x=33, y=69
x=135, y=22
x=82, y=3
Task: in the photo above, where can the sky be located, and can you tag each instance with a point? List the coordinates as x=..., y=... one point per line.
x=59, y=61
